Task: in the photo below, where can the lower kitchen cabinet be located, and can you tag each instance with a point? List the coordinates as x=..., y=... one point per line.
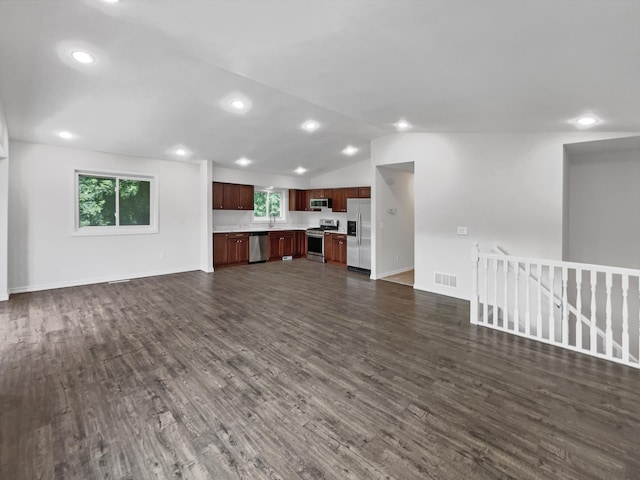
x=281, y=244
x=230, y=249
x=238, y=245
x=220, y=250
x=335, y=248
x=301, y=244
x=233, y=248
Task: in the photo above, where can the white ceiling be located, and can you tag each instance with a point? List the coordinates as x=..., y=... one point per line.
x=357, y=66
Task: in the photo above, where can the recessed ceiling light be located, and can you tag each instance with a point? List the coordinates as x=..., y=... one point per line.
x=270, y=188
x=239, y=104
x=243, y=162
x=586, y=121
x=350, y=150
x=403, y=125
x=310, y=125
x=66, y=135
x=300, y=170
x=83, y=57
x=181, y=152
x=111, y=1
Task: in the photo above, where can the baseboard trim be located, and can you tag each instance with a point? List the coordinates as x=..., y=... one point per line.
x=207, y=270
x=4, y=297
x=380, y=276
x=92, y=281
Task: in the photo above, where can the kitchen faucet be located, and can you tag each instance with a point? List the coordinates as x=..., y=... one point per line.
x=272, y=216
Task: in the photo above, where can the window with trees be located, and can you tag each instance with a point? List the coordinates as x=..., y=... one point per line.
x=268, y=204
x=115, y=203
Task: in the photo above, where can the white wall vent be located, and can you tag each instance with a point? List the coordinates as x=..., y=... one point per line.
x=446, y=280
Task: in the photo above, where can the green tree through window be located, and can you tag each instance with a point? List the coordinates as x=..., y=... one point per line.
x=97, y=201
x=113, y=201
x=267, y=203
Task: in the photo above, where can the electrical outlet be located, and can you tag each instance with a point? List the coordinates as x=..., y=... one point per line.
x=397, y=257
x=461, y=231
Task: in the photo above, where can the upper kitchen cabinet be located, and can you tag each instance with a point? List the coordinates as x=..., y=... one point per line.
x=339, y=199
x=246, y=197
x=320, y=193
x=351, y=192
x=364, y=192
x=232, y=196
x=218, y=196
x=298, y=200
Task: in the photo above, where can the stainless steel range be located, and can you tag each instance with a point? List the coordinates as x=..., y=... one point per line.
x=315, y=239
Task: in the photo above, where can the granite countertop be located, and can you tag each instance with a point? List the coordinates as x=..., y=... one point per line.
x=272, y=229
x=259, y=229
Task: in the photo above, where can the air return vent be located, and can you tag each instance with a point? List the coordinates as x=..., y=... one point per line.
x=446, y=280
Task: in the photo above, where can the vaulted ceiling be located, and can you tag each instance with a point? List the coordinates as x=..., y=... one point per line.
x=165, y=72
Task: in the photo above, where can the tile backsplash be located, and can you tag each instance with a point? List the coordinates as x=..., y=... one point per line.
x=232, y=219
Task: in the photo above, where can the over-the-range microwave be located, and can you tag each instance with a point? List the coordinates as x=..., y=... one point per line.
x=318, y=203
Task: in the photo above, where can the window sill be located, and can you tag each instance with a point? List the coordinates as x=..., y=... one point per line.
x=101, y=231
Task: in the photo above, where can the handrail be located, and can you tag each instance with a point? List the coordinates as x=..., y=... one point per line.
x=560, y=264
x=557, y=300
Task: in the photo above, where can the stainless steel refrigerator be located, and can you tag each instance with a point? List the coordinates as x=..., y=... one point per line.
x=359, y=234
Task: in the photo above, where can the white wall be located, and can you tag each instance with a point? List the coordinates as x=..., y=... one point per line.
x=4, y=206
x=247, y=177
x=506, y=188
x=44, y=254
x=604, y=197
x=356, y=175
x=394, y=202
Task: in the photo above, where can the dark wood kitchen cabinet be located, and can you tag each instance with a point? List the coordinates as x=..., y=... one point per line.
x=339, y=199
x=238, y=248
x=301, y=244
x=364, y=192
x=218, y=196
x=351, y=192
x=298, y=200
x=335, y=248
x=230, y=249
x=238, y=197
x=232, y=196
x=281, y=244
x=320, y=193
x=220, y=250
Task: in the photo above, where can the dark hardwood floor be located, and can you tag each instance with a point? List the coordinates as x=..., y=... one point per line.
x=296, y=370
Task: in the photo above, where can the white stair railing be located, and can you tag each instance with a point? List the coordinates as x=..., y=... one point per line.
x=562, y=303
x=498, y=285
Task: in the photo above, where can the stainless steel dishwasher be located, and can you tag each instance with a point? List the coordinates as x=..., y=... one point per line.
x=258, y=247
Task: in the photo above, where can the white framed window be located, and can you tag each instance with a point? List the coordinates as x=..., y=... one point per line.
x=115, y=203
x=269, y=204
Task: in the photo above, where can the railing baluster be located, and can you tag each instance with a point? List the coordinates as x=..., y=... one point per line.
x=485, y=306
x=601, y=340
x=516, y=301
x=609, y=330
x=475, y=251
x=527, y=313
x=593, y=345
x=495, y=292
x=539, y=312
x=579, y=308
x=565, y=307
x=625, y=319
x=552, y=321
x=505, y=310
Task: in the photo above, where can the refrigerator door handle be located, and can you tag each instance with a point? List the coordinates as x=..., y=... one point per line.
x=359, y=229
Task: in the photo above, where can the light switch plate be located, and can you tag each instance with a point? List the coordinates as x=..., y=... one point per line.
x=461, y=230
